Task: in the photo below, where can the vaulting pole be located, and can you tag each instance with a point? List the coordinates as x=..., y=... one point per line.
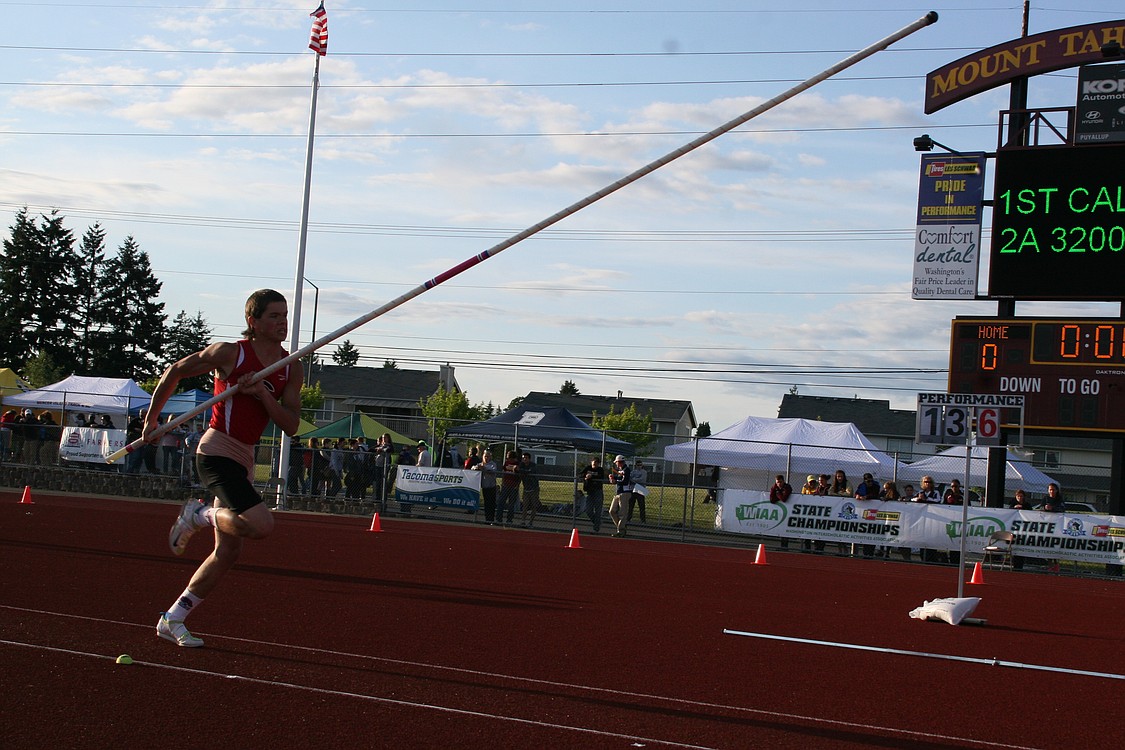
x=554, y=218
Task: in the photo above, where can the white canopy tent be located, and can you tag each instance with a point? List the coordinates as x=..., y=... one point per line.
x=1019, y=474
x=78, y=393
x=796, y=447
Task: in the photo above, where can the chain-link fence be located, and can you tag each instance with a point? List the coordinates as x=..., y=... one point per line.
x=679, y=496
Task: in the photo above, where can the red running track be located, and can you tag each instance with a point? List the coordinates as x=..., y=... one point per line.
x=428, y=635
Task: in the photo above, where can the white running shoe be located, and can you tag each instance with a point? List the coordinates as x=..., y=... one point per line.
x=187, y=523
x=176, y=632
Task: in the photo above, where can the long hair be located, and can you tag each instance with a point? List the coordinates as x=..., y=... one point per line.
x=256, y=306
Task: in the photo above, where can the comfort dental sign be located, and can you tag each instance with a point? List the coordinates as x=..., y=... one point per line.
x=1026, y=56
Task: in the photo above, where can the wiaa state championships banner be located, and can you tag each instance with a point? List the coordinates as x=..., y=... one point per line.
x=89, y=444
x=430, y=485
x=1085, y=537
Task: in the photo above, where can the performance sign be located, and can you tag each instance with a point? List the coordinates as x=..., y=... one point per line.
x=1100, y=110
x=430, y=485
x=1058, y=224
x=947, y=237
x=1083, y=537
x=951, y=418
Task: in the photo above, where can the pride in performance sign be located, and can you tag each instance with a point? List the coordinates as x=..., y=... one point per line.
x=947, y=236
x=451, y=488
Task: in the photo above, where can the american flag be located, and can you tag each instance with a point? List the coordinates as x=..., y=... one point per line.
x=318, y=40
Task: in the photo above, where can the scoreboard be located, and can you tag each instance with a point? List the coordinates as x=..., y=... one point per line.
x=1058, y=224
x=1071, y=372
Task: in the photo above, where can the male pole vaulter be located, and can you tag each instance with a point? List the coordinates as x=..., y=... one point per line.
x=225, y=456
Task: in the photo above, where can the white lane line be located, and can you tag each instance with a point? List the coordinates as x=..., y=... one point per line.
x=681, y=702
x=948, y=657
x=372, y=698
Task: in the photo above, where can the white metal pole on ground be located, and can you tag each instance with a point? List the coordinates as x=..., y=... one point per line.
x=965, y=505
x=558, y=216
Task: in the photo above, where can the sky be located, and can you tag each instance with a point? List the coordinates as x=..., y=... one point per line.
x=778, y=256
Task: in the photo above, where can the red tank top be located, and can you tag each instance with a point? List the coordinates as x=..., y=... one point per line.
x=243, y=417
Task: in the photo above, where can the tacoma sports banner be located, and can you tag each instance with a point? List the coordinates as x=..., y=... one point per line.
x=1084, y=537
x=89, y=443
x=430, y=485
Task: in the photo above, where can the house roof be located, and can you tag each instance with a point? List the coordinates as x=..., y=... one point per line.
x=871, y=416
x=377, y=386
x=663, y=410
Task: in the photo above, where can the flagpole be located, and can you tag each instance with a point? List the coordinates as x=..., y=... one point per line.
x=299, y=279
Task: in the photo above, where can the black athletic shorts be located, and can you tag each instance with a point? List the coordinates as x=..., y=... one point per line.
x=226, y=479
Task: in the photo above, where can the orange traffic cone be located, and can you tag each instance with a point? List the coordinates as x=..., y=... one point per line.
x=574, y=543
x=375, y=523
x=978, y=574
x=26, y=499
x=760, y=559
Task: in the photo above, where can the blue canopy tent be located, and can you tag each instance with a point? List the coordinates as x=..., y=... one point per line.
x=551, y=427
x=185, y=401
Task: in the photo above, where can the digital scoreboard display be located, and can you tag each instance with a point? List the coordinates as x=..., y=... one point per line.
x=1058, y=224
x=1071, y=372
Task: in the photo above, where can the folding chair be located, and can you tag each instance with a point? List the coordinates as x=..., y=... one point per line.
x=999, y=545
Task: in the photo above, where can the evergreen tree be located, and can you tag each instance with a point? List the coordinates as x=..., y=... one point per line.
x=569, y=389
x=185, y=336
x=15, y=261
x=36, y=289
x=703, y=430
x=390, y=364
x=346, y=354
x=130, y=346
x=89, y=299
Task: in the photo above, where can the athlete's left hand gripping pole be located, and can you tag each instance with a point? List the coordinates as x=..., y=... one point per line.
x=460, y=268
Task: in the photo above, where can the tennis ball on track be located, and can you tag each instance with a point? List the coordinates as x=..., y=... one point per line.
x=124, y=659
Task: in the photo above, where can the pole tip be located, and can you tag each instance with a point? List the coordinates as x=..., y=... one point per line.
x=932, y=17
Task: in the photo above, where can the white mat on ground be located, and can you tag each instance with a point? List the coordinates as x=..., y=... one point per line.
x=952, y=610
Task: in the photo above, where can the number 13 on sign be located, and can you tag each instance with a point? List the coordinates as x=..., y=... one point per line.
x=952, y=424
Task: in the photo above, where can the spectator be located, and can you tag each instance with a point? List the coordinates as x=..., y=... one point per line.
x=530, y=490
x=49, y=435
x=619, y=505
x=593, y=481
x=1019, y=502
x=889, y=493
x=928, y=494
x=823, y=488
x=867, y=490
x=296, y=479
x=406, y=457
x=840, y=486
x=425, y=458
x=488, y=469
x=334, y=476
x=1053, y=504
x=780, y=492
x=954, y=496
x=473, y=458
x=810, y=485
x=509, y=489
x=170, y=449
x=637, y=499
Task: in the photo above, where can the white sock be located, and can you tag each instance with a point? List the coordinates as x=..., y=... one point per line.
x=207, y=515
x=183, y=606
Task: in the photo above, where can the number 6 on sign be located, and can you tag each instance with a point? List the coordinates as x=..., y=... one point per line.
x=988, y=426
